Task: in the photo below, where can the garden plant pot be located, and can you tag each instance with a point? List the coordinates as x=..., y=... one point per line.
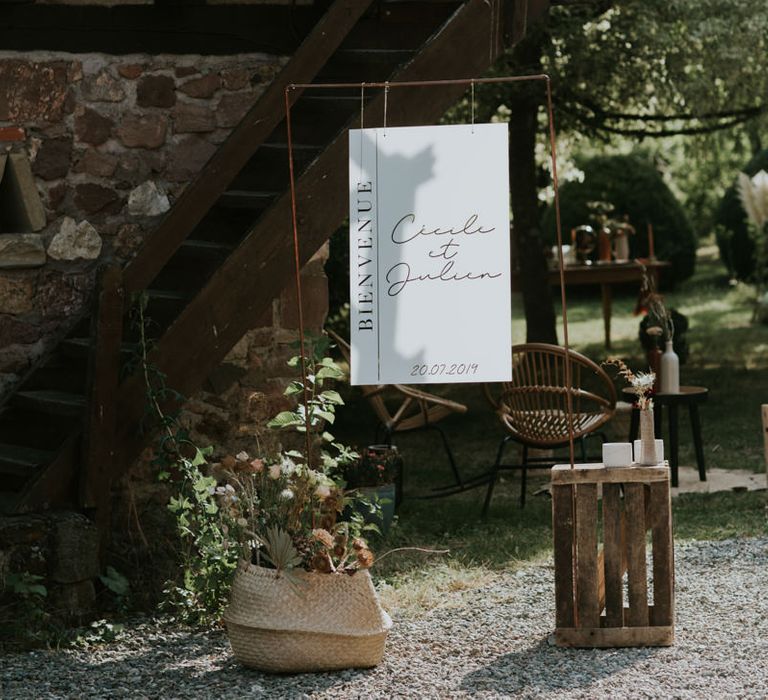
x=319, y=622
x=385, y=495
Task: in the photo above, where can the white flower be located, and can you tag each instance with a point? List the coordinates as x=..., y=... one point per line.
x=288, y=466
x=274, y=471
x=754, y=196
x=287, y=494
x=322, y=491
x=642, y=382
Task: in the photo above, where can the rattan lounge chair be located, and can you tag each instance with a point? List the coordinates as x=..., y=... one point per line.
x=533, y=407
x=400, y=408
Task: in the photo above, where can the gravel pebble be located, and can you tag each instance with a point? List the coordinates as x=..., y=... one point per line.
x=490, y=642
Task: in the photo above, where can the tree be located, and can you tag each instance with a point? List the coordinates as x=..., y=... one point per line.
x=638, y=68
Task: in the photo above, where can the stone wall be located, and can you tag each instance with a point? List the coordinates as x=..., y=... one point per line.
x=112, y=141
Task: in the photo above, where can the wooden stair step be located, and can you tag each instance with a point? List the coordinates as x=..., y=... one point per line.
x=20, y=461
x=59, y=374
x=56, y=402
x=198, y=248
x=80, y=347
x=364, y=65
x=8, y=501
x=246, y=199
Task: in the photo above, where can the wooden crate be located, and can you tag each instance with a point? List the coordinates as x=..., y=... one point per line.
x=591, y=610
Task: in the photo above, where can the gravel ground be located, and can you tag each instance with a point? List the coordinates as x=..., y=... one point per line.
x=489, y=642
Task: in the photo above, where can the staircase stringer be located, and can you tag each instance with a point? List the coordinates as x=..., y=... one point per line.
x=227, y=162
x=242, y=289
x=56, y=483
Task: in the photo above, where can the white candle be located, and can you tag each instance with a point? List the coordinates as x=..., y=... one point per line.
x=659, y=450
x=617, y=454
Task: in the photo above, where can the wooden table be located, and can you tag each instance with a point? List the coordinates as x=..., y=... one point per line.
x=606, y=275
x=690, y=396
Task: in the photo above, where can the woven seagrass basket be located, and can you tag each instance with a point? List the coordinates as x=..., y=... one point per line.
x=325, y=622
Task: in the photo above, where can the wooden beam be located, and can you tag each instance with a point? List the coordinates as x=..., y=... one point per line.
x=99, y=434
x=253, y=130
x=154, y=29
x=243, y=288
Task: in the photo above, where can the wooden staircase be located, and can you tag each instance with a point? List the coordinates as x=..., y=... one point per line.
x=222, y=254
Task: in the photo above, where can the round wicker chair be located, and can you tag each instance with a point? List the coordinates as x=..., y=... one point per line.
x=533, y=407
x=400, y=408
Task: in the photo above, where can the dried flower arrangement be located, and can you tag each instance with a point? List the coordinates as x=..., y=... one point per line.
x=641, y=383
x=285, y=511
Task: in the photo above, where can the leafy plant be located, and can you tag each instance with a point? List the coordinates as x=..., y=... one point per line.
x=207, y=557
x=287, y=509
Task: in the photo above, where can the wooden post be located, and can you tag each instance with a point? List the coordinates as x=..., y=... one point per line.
x=765, y=435
x=595, y=579
x=101, y=418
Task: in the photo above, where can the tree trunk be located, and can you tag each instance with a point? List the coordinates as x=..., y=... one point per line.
x=526, y=232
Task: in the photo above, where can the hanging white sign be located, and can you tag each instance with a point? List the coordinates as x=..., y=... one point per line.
x=429, y=254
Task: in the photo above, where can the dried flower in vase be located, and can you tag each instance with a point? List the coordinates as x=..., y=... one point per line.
x=641, y=383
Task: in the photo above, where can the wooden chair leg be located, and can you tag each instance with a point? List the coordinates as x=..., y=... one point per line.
x=524, y=477
x=449, y=452
x=494, y=474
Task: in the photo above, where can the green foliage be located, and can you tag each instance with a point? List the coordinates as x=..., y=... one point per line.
x=734, y=238
x=634, y=187
x=206, y=558
x=24, y=619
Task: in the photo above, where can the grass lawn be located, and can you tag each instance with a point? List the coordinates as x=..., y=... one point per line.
x=728, y=355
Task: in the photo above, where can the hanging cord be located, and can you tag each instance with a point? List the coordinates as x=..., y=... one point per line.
x=362, y=105
x=473, y=106
x=297, y=264
x=362, y=125
x=386, y=94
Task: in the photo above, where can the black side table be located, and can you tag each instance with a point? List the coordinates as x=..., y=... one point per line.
x=690, y=396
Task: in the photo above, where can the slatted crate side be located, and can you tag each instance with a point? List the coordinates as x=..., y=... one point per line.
x=589, y=579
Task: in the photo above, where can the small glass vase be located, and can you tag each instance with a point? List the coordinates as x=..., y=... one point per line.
x=648, y=455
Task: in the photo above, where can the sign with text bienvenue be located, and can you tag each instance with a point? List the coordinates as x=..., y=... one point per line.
x=429, y=254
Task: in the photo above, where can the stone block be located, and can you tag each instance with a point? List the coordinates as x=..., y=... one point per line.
x=92, y=199
x=188, y=158
x=130, y=71
x=96, y=163
x=128, y=240
x=92, y=127
x=18, y=530
x=9, y=134
x=14, y=330
x=56, y=196
x=156, y=91
x=61, y=295
x=31, y=91
x=75, y=241
x=235, y=78
x=147, y=200
x=17, y=292
x=102, y=87
x=203, y=87
x=17, y=358
x=192, y=118
x=19, y=250
x=232, y=108
x=185, y=71
x=143, y=131
x=73, y=600
x=75, y=545
x=53, y=159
